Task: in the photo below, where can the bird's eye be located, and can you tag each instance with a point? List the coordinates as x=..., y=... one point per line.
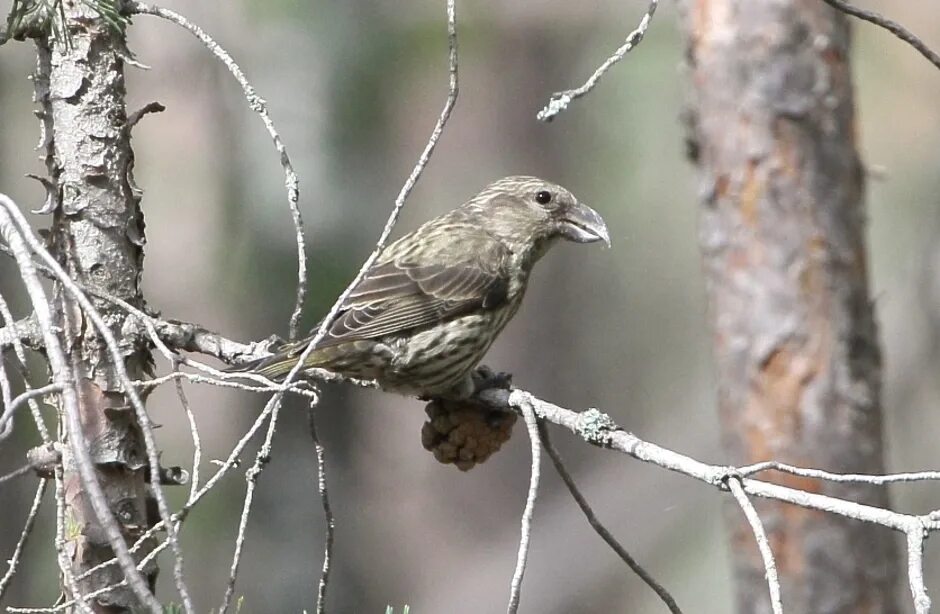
x=543, y=197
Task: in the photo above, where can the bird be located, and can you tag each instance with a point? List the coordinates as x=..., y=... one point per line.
x=423, y=315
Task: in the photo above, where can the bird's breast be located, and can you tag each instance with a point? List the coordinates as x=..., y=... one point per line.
x=437, y=358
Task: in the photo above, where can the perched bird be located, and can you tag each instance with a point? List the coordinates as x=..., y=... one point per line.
x=427, y=311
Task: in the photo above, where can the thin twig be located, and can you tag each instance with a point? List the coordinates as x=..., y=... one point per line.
x=194, y=431
x=5, y=387
x=227, y=465
x=891, y=26
x=866, y=478
x=770, y=567
x=143, y=418
x=14, y=559
x=409, y=183
x=16, y=473
x=531, y=423
x=17, y=239
x=298, y=388
x=599, y=528
x=258, y=105
x=560, y=100
x=14, y=334
x=261, y=459
x=274, y=404
x=40, y=268
x=327, y=511
x=915, y=567
x=21, y=399
x=6, y=402
x=599, y=429
x=230, y=463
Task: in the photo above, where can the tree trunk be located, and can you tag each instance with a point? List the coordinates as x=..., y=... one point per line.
x=771, y=124
x=97, y=234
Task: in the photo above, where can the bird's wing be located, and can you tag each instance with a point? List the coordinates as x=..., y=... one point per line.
x=447, y=274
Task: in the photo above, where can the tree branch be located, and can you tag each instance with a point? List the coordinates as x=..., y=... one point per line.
x=760, y=535
x=64, y=377
x=327, y=510
x=532, y=427
x=600, y=430
x=188, y=337
x=559, y=101
x=891, y=26
x=599, y=528
x=259, y=106
x=26, y=331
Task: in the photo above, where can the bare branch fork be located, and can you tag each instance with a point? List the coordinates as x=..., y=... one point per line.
x=599, y=429
x=601, y=530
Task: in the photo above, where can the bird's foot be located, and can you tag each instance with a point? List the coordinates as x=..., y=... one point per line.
x=485, y=378
x=480, y=379
x=272, y=343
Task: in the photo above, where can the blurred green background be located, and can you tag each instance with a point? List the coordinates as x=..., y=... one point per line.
x=355, y=88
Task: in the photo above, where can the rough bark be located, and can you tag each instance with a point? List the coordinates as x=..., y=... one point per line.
x=771, y=127
x=97, y=233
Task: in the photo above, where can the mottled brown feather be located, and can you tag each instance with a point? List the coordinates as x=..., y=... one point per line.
x=407, y=290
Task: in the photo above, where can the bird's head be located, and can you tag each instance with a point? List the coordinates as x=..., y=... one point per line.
x=533, y=213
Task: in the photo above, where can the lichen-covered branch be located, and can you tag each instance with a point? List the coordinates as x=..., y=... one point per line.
x=600, y=430
x=559, y=101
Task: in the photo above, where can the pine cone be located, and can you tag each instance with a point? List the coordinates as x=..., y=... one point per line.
x=464, y=434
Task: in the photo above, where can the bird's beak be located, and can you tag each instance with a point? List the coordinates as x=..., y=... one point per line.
x=582, y=224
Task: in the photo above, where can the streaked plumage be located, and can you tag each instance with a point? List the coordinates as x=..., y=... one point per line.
x=424, y=315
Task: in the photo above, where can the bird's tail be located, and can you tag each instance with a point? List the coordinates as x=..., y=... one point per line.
x=279, y=364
